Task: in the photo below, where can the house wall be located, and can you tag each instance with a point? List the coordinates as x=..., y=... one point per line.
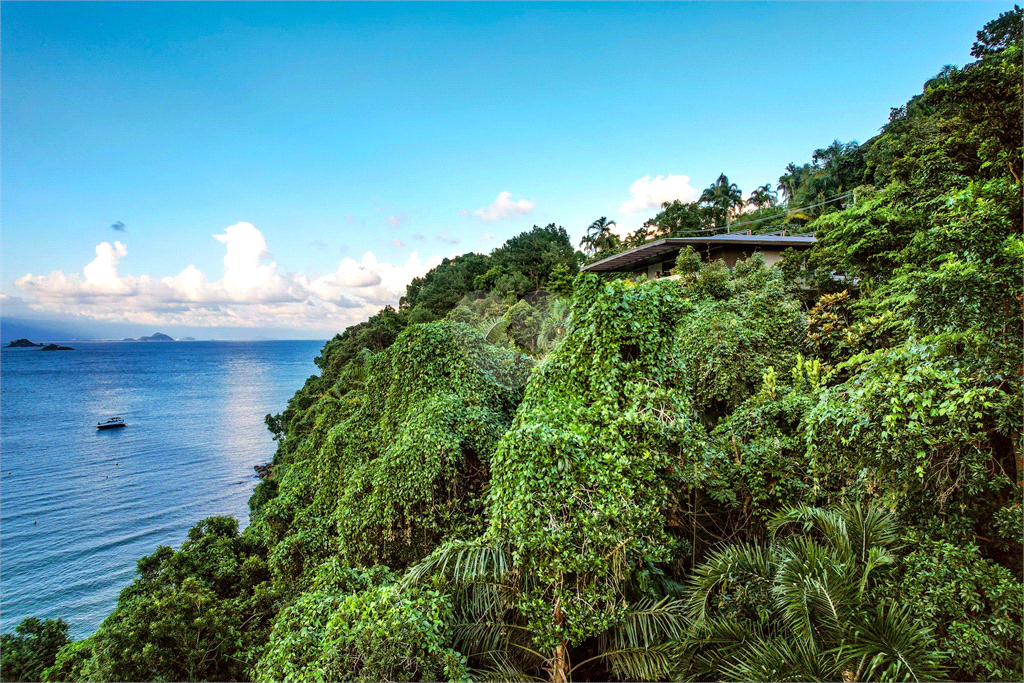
x=730, y=255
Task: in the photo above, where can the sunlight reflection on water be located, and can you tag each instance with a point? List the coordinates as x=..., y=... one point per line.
x=79, y=506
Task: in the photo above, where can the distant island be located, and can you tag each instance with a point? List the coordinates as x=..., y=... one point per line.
x=159, y=336
x=25, y=343
x=21, y=343
x=187, y=339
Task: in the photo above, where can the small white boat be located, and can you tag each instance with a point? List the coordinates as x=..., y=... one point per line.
x=111, y=423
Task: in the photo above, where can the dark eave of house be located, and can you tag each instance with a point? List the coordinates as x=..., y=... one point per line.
x=657, y=251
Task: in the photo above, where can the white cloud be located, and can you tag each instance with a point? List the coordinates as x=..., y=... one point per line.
x=101, y=273
x=398, y=243
x=251, y=292
x=447, y=238
x=504, y=207
x=648, y=192
x=245, y=277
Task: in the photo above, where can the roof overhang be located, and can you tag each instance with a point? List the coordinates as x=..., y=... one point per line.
x=660, y=250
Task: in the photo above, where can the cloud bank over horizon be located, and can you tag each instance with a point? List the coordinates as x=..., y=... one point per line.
x=254, y=293
x=251, y=292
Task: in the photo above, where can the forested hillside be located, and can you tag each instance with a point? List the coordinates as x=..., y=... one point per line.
x=808, y=472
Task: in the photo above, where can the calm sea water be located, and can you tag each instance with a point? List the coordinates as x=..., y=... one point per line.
x=79, y=506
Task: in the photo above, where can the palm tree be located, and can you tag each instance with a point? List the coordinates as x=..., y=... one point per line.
x=495, y=635
x=827, y=155
x=600, y=237
x=762, y=196
x=640, y=235
x=810, y=613
x=554, y=324
x=724, y=197
x=790, y=181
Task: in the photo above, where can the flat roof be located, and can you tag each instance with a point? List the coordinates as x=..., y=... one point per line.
x=654, y=252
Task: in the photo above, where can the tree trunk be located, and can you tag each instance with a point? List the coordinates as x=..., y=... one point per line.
x=560, y=659
x=559, y=666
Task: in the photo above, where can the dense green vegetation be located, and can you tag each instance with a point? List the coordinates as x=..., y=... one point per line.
x=806, y=472
x=26, y=653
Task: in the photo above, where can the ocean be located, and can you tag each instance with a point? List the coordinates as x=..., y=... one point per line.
x=79, y=506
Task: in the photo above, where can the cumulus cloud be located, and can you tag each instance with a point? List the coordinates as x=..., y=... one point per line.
x=101, y=273
x=447, y=239
x=648, y=192
x=504, y=207
x=251, y=291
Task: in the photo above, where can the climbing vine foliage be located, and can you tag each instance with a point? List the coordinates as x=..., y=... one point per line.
x=806, y=472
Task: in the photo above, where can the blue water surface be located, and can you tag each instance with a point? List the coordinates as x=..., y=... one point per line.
x=79, y=506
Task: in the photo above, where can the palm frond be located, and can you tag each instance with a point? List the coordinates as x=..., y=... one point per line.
x=649, y=623
x=830, y=523
x=462, y=562
x=642, y=664
x=720, y=632
x=711, y=642
x=740, y=562
x=778, y=659
x=870, y=527
x=895, y=646
x=478, y=638
x=812, y=591
x=482, y=600
x=877, y=557
x=502, y=669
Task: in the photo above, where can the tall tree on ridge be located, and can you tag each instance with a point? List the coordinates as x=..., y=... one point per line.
x=790, y=181
x=599, y=236
x=724, y=197
x=762, y=196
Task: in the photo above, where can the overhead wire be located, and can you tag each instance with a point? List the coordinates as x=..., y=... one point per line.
x=788, y=212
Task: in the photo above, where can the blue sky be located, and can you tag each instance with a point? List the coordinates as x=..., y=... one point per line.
x=338, y=129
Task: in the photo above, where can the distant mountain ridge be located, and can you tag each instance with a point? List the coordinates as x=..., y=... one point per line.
x=158, y=336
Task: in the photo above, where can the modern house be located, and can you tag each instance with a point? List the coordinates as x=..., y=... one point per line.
x=656, y=259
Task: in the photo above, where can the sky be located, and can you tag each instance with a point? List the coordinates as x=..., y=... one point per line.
x=284, y=169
